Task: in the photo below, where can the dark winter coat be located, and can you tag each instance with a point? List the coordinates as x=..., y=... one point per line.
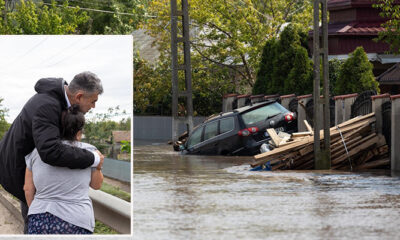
x=38, y=125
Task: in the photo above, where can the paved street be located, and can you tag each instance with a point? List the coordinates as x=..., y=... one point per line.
x=8, y=223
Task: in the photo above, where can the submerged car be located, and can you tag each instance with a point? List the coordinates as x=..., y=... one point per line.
x=240, y=132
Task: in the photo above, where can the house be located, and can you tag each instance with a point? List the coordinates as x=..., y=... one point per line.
x=116, y=138
x=354, y=23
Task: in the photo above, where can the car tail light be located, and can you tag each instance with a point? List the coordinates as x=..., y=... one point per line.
x=247, y=131
x=289, y=117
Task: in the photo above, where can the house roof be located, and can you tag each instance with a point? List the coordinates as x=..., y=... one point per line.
x=119, y=136
x=342, y=4
x=391, y=76
x=355, y=28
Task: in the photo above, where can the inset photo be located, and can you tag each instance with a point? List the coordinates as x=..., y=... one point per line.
x=65, y=134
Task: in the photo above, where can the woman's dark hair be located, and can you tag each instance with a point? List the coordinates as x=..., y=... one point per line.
x=72, y=122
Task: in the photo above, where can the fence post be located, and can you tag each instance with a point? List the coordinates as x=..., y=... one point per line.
x=377, y=102
x=343, y=107
x=256, y=98
x=242, y=100
x=301, y=108
x=285, y=100
x=395, y=145
x=227, y=102
x=273, y=97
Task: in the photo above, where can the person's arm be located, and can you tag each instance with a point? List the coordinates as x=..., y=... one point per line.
x=29, y=187
x=96, y=179
x=46, y=135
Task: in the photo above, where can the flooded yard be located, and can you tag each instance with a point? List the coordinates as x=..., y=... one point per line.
x=209, y=197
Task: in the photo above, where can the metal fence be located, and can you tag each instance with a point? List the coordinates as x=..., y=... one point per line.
x=117, y=169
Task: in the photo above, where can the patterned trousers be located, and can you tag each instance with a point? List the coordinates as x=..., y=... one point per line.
x=47, y=223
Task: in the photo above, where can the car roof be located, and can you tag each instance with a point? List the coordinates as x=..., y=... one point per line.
x=239, y=110
x=253, y=106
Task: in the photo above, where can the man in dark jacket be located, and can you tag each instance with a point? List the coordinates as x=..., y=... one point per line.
x=39, y=125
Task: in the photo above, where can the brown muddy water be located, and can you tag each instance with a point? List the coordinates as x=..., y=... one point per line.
x=209, y=197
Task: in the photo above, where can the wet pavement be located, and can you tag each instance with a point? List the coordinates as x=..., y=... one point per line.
x=209, y=197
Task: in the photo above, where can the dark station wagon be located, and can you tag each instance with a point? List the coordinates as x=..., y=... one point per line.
x=240, y=132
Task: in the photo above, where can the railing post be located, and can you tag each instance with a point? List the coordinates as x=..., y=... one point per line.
x=285, y=100
x=395, y=145
x=343, y=107
x=377, y=102
x=301, y=111
x=227, y=102
x=242, y=99
x=256, y=98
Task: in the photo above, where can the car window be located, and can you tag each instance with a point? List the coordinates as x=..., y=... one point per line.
x=211, y=130
x=226, y=125
x=262, y=113
x=195, y=138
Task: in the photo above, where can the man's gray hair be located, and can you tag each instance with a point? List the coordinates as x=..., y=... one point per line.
x=86, y=81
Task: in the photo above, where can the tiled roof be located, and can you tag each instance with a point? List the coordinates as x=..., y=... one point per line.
x=119, y=136
x=335, y=4
x=355, y=28
x=391, y=76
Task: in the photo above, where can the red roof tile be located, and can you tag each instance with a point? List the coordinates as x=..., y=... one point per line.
x=355, y=28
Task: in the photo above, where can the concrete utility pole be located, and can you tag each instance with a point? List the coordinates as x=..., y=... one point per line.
x=177, y=93
x=322, y=154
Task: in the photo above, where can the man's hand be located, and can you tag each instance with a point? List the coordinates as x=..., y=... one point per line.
x=101, y=160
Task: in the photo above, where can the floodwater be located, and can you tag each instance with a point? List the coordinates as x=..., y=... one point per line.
x=208, y=197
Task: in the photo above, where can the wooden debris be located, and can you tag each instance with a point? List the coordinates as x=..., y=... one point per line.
x=309, y=128
x=354, y=145
x=274, y=137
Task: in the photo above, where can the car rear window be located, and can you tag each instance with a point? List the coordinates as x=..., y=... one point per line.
x=262, y=113
x=211, y=130
x=226, y=125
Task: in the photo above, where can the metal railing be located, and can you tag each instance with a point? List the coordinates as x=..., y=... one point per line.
x=108, y=209
x=112, y=211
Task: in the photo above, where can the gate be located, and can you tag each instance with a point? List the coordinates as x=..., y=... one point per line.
x=386, y=121
x=293, y=105
x=310, y=112
x=293, y=108
x=363, y=104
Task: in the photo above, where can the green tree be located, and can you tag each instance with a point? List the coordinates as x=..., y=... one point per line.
x=300, y=77
x=36, y=18
x=285, y=67
x=152, y=87
x=4, y=125
x=264, y=84
x=230, y=33
x=334, y=71
x=356, y=74
x=112, y=16
x=390, y=9
x=98, y=128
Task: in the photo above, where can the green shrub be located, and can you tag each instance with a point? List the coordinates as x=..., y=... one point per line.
x=356, y=74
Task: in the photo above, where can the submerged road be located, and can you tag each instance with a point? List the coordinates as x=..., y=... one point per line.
x=203, y=197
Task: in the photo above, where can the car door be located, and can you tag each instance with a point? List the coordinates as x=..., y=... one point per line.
x=211, y=142
x=193, y=144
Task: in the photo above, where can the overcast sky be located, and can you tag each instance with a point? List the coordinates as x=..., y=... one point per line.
x=26, y=59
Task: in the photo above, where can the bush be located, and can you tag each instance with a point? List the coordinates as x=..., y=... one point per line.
x=356, y=74
x=285, y=66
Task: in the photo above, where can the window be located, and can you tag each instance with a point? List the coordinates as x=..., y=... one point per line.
x=263, y=113
x=226, y=125
x=211, y=130
x=195, y=138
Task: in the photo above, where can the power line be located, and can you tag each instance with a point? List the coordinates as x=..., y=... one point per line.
x=63, y=59
x=102, y=11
